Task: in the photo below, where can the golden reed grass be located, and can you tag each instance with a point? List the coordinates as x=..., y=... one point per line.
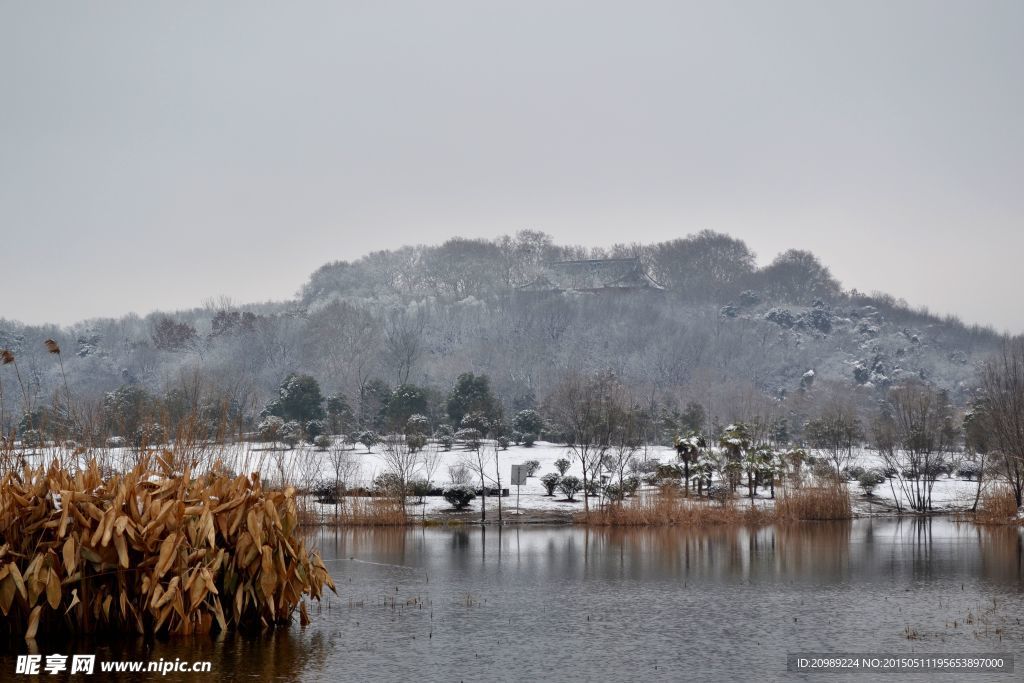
x=367, y=511
x=814, y=503
x=997, y=506
x=152, y=550
x=669, y=508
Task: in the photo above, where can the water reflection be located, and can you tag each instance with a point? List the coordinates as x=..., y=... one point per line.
x=521, y=603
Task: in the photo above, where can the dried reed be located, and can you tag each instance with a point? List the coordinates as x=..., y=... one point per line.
x=997, y=506
x=809, y=503
x=669, y=508
x=153, y=550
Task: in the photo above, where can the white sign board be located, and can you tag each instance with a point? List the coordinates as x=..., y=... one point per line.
x=519, y=473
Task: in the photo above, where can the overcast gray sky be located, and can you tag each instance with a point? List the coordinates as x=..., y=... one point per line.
x=156, y=154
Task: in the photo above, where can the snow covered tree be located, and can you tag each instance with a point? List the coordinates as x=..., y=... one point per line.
x=528, y=421
x=298, y=399
x=472, y=393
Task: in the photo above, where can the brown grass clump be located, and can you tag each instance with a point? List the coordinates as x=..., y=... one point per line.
x=828, y=502
x=366, y=511
x=149, y=551
x=669, y=508
x=997, y=506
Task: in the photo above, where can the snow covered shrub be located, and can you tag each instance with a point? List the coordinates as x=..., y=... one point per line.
x=388, y=484
x=459, y=495
x=719, y=493
x=419, y=488
x=323, y=442
x=630, y=485
x=550, y=482
x=516, y=436
x=969, y=470
x=269, y=428
x=855, y=472
x=614, y=492
x=31, y=438
x=666, y=473
x=869, y=479
x=417, y=424
x=502, y=442
x=593, y=487
x=315, y=428
x=570, y=486
x=115, y=442
x=529, y=439
x=291, y=433
x=415, y=442
x=369, y=438
x=562, y=465
x=470, y=437
x=781, y=316
x=475, y=420
x=531, y=467
x=446, y=441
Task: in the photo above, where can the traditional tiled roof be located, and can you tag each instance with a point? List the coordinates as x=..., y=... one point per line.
x=593, y=275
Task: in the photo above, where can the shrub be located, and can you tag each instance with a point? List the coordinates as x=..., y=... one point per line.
x=115, y=442
x=517, y=437
x=417, y=424
x=531, y=467
x=592, y=487
x=562, y=465
x=969, y=470
x=550, y=482
x=419, y=488
x=719, y=493
x=459, y=495
x=615, y=492
x=369, y=439
x=32, y=438
x=855, y=472
x=291, y=433
x=446, y=441
x=869, y=479
x=668, y=472
x=570, y=486
x=630, y=485
x=503, y=442
x=389, y=484
x=315, y=428
x=529, y=439
x=269, y=428
x=323, y=442
x=416, y=442
x=470, y=437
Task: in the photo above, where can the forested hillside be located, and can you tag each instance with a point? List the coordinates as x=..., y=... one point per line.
x=734, y=339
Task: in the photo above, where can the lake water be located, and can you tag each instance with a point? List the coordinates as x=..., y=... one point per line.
x=565, y=603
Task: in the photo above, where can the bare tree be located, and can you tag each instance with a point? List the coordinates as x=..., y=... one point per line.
x=584, y=408
x=430, y=459
x=834, y=433
x=400, y=460
x=1002, y=380
x=346, y=469
x=915, y=434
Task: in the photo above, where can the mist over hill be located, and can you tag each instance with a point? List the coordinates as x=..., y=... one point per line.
x=692, y=320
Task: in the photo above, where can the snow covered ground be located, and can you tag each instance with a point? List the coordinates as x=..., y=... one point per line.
x=305, y=466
